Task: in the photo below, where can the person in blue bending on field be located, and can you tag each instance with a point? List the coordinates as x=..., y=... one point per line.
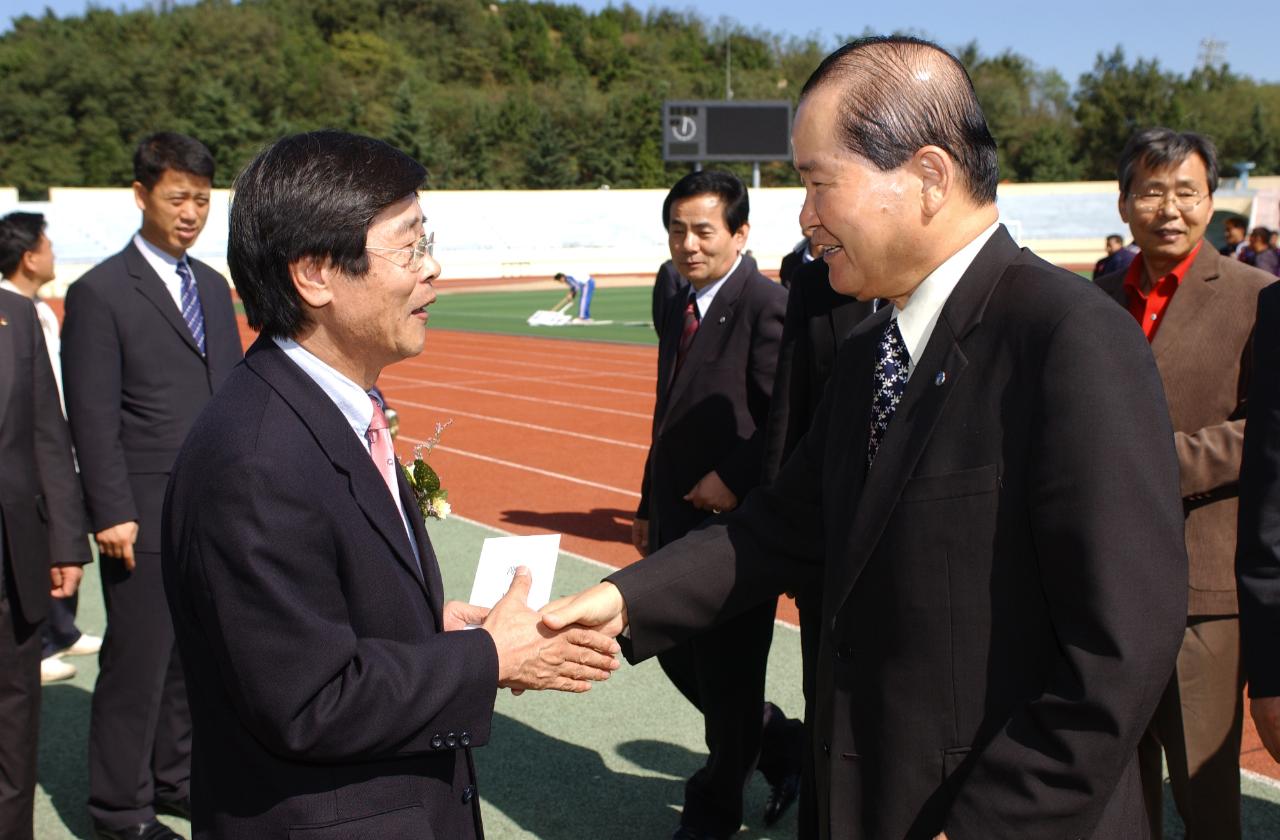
x=583, y=290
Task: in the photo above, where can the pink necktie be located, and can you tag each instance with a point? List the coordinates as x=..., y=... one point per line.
x=381, y=450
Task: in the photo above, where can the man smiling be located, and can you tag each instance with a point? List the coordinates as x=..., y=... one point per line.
x=988, y=490
x=1197, y=310
x=334, y=693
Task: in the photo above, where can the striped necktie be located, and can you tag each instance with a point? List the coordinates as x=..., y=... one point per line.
x=192, y=312
x=691, y=321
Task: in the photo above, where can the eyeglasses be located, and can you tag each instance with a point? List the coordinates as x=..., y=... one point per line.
x=1153, y=200
x=424, y=247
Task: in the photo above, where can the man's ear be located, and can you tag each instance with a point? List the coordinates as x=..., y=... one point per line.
x=313, y=280
x=1123, y=206
x=140, y=195
x=938, y=178
x=740, y=237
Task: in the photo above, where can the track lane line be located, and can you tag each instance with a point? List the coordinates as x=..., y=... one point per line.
x=576, y=406
x=523, y=425
x=526, y=468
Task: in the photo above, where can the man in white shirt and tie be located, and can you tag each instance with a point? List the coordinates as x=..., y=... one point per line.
x=27, y=263
x=150, y=334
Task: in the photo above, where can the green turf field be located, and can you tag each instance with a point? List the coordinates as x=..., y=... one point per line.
x=610, y=763
x=629, y=308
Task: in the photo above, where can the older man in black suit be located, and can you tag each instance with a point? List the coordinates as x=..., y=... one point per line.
x=334, y=694
x=150, y=334
x=989, y=490
x=1258, y=550
x=42, y=544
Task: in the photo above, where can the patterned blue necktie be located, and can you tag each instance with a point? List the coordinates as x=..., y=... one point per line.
x=892, y=364
x=192, y=313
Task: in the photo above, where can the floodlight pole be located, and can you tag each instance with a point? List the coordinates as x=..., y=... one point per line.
x=728, y=53
x=755, y=174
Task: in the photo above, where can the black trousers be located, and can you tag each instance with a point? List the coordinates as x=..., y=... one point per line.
x=722, y=672
x=809, y=603
x=140, y=723
x=19, y=715
x=59, y=631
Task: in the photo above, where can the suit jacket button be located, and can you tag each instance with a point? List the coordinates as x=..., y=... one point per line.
x=451, y=740
x=468, y=794
x=826, y=748
x=844, y=652
x=465, y=740
x=436, y=742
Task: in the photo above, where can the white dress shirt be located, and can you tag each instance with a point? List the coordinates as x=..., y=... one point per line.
x=164, y=265
x=707, y=293
x=354, y=403
x=918, y=317
x=52, y=340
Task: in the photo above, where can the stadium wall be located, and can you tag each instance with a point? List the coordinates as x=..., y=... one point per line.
x=519, y=234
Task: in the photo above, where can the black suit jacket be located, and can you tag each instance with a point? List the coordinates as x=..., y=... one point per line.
x=1004, y=591
x=1258, y=552
x=711, y=415
x=41, y=515
x=817, y=322
x=792, y=263
x=667, y=284
x=135, y=381
x=324, y=693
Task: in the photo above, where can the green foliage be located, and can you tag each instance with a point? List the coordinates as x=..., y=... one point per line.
x=516, y=93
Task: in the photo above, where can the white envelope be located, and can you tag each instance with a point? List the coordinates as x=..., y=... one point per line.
x=498, y=561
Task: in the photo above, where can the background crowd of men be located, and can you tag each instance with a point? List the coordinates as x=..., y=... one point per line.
x=1013, y=506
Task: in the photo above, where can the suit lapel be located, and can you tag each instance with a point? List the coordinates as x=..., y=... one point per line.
x=1184, y=317
x=934, y=378
x=153, y=289
x=8, y=358
x=426, y=554
x=711, y=330
x=334, y=435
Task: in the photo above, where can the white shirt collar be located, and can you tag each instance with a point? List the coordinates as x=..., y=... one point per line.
x=164, y=265
x=350, y=398
x=919, y=316
x=707, y=293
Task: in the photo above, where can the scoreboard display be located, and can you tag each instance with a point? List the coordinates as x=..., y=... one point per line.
x=703, y=130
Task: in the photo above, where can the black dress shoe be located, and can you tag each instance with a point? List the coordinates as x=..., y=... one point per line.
x=684, y=832
x=781, y=797
x=175, y=807
x=149, y=830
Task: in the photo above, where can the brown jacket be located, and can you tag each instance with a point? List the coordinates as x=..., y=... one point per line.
x=1203, y=352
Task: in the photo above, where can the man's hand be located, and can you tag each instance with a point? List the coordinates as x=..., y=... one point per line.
x=1265, y=712
x=117, y=541
x=458, y=615
x=65, y=580
x=640, y=535
x=710, y=493
x=533, y=655
x=601, y=608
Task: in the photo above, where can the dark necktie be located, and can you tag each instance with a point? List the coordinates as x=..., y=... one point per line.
x=192, y=313
x=892, y=364
x=691, y=320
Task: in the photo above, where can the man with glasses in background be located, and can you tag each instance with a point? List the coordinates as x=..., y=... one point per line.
x=1197, y=310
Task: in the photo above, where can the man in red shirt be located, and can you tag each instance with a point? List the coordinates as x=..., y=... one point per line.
x=1197, y=309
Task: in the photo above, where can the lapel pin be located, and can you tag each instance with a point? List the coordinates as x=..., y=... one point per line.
x=4, y=322
x=940, y=378
x=722, y=319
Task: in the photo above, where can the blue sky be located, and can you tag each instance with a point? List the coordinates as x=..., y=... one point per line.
x=1065, y=35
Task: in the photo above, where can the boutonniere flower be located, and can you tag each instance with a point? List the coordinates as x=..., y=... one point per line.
x=433, y=500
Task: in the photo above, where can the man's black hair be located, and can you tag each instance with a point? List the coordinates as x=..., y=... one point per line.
x=725, y=185
x=900, y=94
x=1159, y=148
x=310, y=195
x=19, y=233
x=170, y=150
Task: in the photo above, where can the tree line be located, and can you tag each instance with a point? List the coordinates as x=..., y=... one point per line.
x=514, y=94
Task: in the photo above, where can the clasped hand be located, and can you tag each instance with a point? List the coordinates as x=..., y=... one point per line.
x=532, y=654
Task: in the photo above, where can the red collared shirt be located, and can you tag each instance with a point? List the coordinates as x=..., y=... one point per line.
x=1149, y=307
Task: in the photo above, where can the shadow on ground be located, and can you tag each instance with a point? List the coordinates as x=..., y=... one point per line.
x=64, y=754
x=604, y=524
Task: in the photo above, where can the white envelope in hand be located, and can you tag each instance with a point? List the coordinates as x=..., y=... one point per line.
x=498, y=561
